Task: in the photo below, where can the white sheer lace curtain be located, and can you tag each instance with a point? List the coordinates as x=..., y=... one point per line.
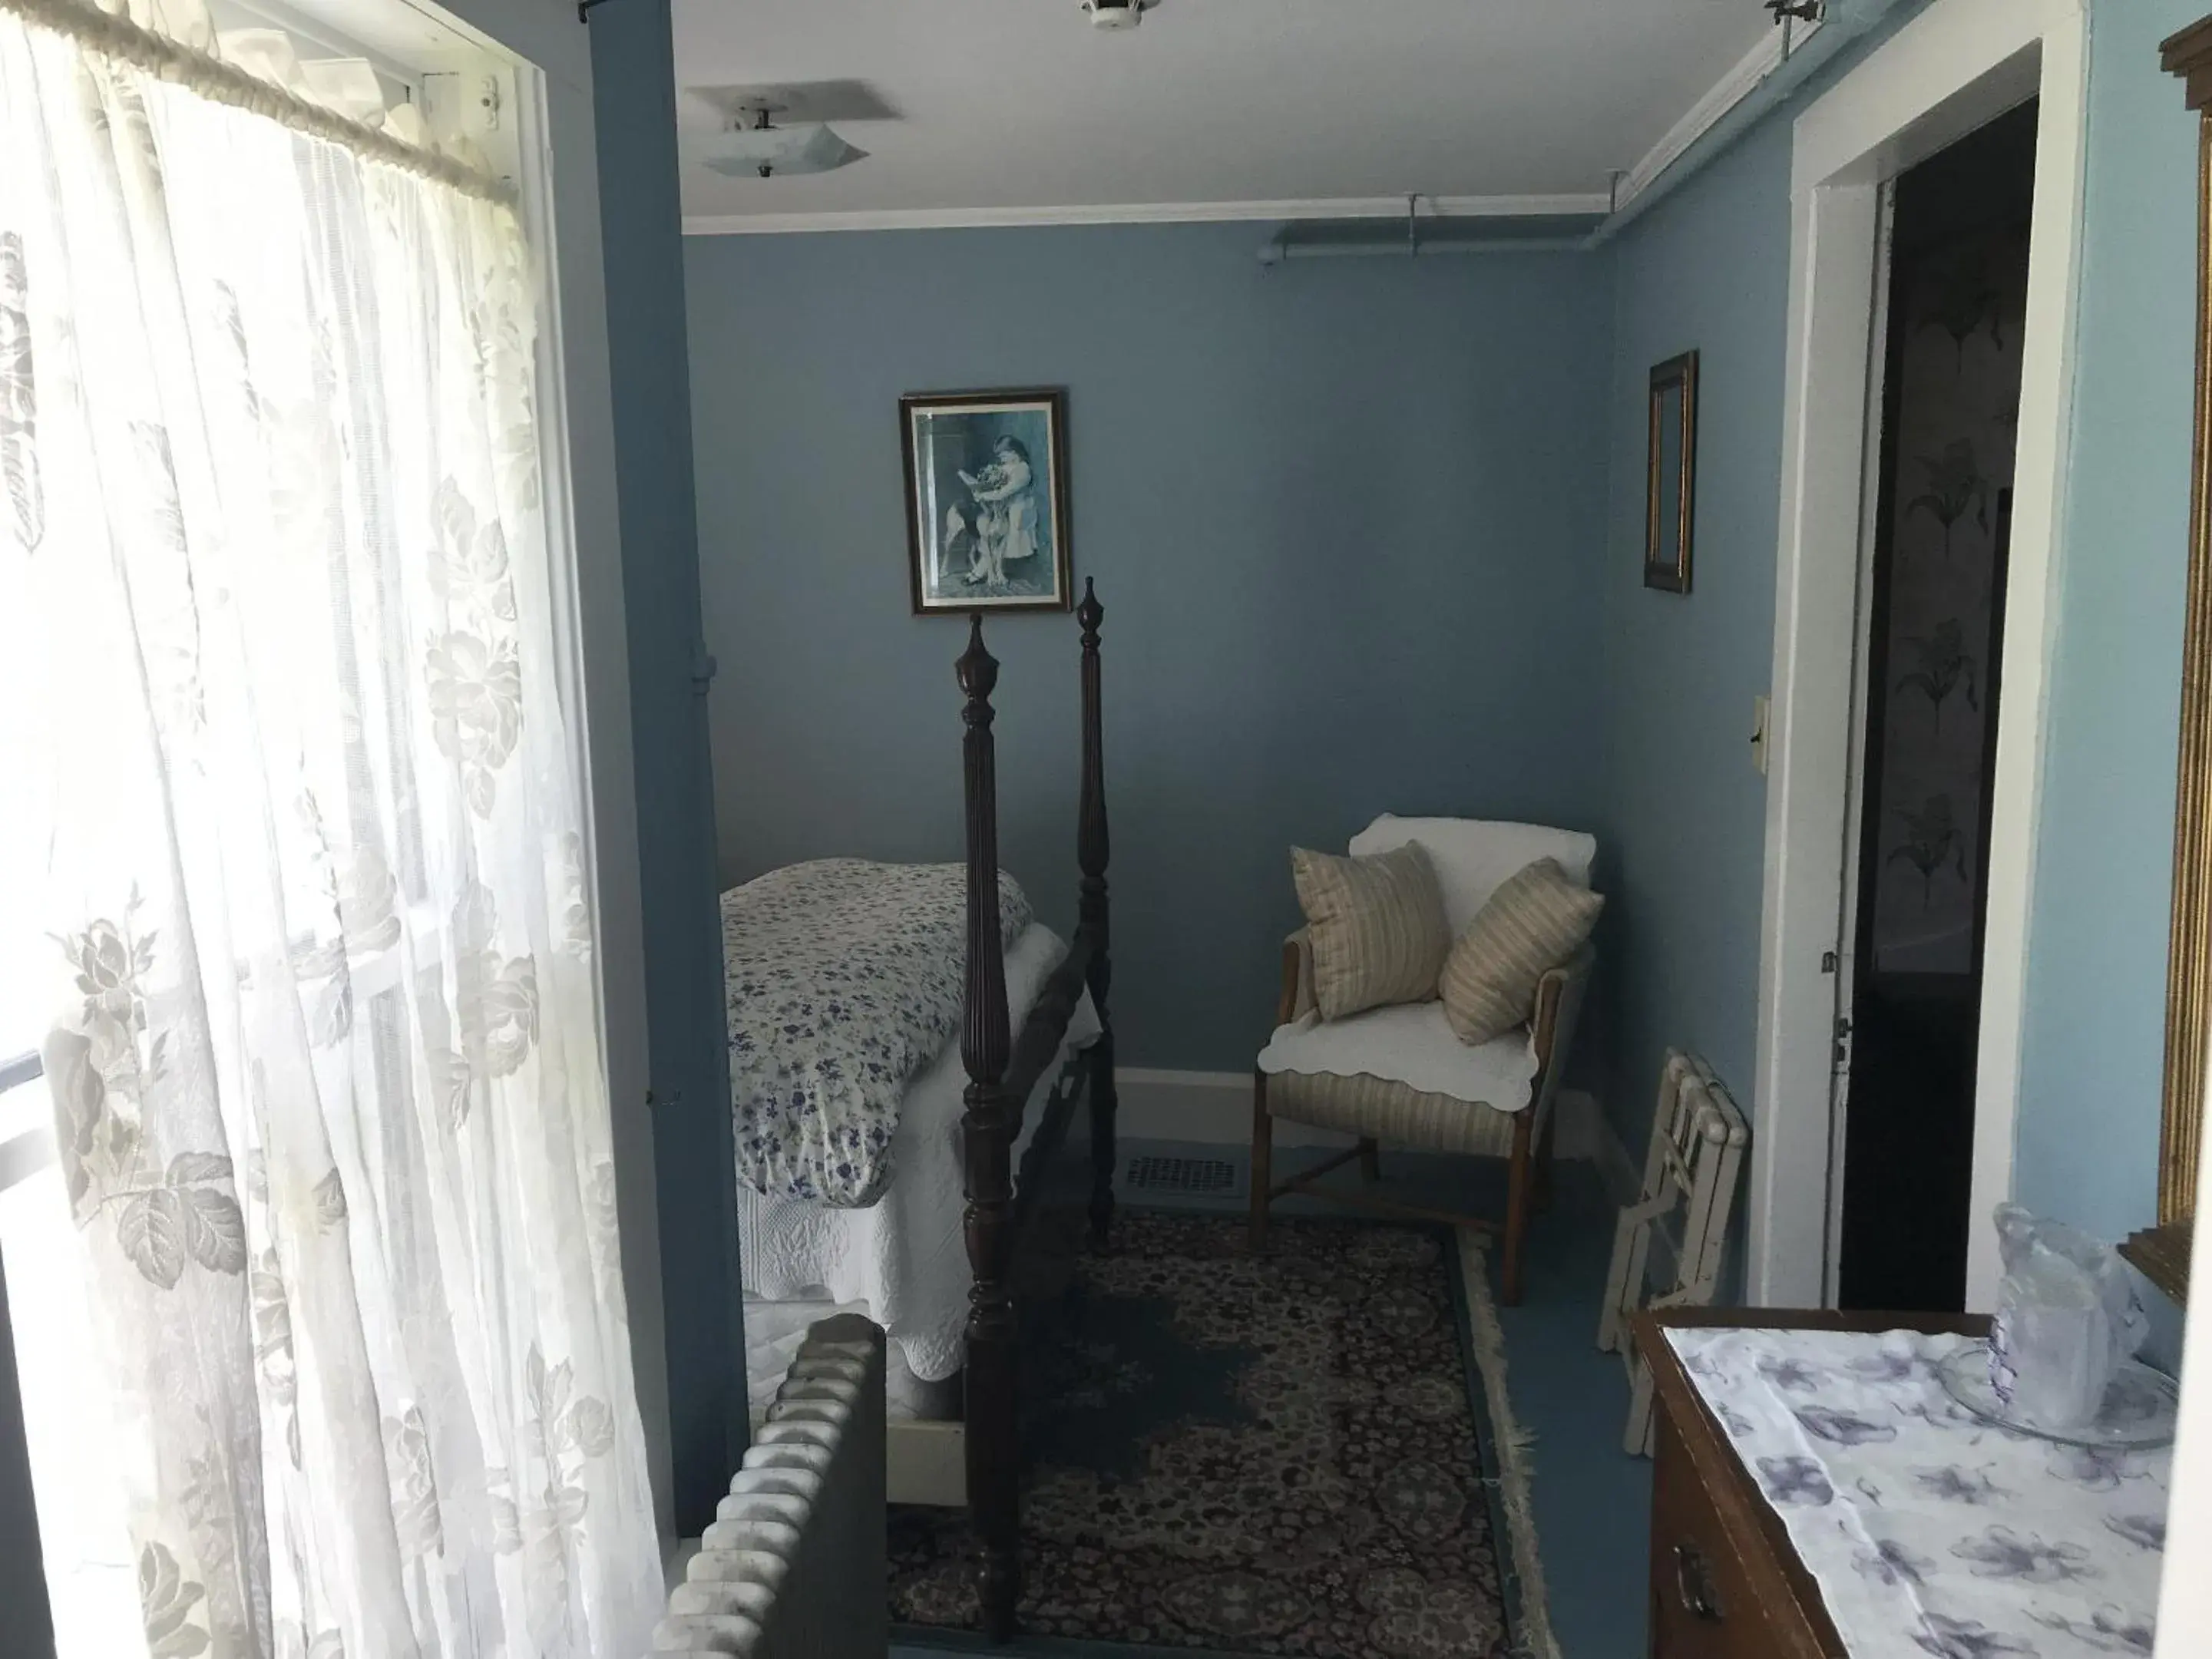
x=324, y=1053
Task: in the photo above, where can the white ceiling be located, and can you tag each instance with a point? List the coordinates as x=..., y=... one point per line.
x=1012, y=108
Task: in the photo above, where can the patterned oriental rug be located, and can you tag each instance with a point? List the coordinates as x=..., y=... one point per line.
x=1307, y=1453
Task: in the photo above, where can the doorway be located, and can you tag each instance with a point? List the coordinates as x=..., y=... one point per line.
x=1950, y=323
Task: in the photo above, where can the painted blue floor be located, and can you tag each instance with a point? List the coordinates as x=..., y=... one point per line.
x=1593, y=1501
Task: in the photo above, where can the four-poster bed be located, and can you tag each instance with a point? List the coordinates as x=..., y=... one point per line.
x=908, y=1047
x=1002, y=1071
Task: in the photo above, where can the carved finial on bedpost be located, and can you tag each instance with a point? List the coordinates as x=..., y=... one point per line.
x=1092, y=849
x=978, y=671
x=987, y=1127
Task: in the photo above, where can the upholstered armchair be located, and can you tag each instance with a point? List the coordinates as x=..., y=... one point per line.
x=1401, y=1074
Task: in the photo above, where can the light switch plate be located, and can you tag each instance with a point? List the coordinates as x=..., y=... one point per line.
x=1758, y=735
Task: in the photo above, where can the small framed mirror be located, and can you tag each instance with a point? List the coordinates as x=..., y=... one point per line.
x=1670, y=487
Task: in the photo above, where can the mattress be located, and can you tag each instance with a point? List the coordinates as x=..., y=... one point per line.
x=903, y=1260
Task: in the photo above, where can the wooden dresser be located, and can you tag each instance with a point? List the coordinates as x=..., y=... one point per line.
x=1725, y=1582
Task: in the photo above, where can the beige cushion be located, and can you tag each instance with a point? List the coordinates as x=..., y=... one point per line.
x=1533, y=922
x=1410, y=1046
x=1378, y=926
x=1375, y=1108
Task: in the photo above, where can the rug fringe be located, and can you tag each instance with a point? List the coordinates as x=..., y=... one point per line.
x=1516, y=1450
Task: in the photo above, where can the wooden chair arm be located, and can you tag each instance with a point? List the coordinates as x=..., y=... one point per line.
x=1297, y=978
x=1551, y=1026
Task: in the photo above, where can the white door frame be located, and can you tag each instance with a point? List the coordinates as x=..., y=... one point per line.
x=1954, y=67
x=1855, y=749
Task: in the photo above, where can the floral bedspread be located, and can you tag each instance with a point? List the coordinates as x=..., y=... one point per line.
x=843, y=978
x=1929, y=1531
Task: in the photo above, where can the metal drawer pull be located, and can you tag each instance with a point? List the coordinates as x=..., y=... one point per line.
x=1694, y=1584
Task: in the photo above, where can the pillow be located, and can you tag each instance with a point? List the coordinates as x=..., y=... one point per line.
x=1533, y=922
x=1475, y=857
x=1378, y=925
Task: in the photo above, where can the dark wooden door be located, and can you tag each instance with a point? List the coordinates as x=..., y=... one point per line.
x=1951, y=402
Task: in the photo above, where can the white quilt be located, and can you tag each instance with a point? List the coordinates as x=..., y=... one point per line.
x=903, y=1257
x=843, y=978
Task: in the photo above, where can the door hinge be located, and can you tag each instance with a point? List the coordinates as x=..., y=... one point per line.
x=703, y=670
x=1828, y=962
x=1843, y=1041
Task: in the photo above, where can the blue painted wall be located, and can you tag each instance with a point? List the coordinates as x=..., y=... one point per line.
x=1345, y=519
x=1684, y=818
x=633, y=78
x=2096, y=981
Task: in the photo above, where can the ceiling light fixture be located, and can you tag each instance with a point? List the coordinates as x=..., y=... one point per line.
x=1117, y=13
x=757, y=145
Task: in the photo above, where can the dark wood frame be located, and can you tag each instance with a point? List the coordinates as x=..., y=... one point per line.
x=1671, y=575
x=1055, y=400
x=1002, y=1071
x=1529, y=1165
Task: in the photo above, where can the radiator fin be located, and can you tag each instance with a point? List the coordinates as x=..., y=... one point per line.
x=793, y=1566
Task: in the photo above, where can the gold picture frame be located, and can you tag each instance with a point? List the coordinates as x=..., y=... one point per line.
x=1671, y=475
x=2161, y=1251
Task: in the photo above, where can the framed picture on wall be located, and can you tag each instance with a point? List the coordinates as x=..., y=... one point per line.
x=987, y=499
x=1671, y=475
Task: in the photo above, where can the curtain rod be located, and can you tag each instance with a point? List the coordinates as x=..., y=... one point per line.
x=224, y=83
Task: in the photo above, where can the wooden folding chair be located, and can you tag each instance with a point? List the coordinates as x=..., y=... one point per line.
x=1698, y=1138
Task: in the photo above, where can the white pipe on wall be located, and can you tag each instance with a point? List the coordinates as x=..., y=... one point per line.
x=1842, y=21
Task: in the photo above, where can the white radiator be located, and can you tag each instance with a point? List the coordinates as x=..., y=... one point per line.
x=794, y=1567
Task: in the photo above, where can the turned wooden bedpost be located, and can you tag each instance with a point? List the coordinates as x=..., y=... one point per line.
x=994, y=1492
x=1091, y=850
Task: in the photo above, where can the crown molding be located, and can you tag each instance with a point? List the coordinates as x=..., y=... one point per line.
x=1724, y=95
x=1142, y=213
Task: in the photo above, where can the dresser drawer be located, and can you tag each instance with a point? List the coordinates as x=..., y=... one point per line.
x=1703, y=1606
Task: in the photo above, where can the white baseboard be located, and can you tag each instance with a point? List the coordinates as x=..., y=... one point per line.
x=1211, y=1108
x=1215, y=1109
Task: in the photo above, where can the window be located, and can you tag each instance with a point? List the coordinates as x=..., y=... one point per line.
x=308, y=1225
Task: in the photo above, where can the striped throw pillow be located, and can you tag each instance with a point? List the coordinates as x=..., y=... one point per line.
x=1532, y=924
x=1378, y=928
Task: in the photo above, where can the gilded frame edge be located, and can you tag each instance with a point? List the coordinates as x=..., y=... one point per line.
x=2161, y=1252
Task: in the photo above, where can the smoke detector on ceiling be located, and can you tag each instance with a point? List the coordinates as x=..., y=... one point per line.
x=1117, y=13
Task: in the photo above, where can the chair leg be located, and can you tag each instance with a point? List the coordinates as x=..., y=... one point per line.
x=1518, y=1182
x=1263, y=1147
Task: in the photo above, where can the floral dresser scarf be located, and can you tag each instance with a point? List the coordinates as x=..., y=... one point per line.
x=843, y=980
x=1929, y=1530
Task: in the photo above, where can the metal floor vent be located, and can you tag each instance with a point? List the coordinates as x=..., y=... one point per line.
x=1179, y=1174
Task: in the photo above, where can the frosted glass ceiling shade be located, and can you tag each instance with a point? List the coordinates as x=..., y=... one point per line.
x=810, y=147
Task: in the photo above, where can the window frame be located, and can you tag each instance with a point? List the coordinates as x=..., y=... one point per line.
x=540, y=53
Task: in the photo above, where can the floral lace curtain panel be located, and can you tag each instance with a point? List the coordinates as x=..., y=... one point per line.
x=324, y=1049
